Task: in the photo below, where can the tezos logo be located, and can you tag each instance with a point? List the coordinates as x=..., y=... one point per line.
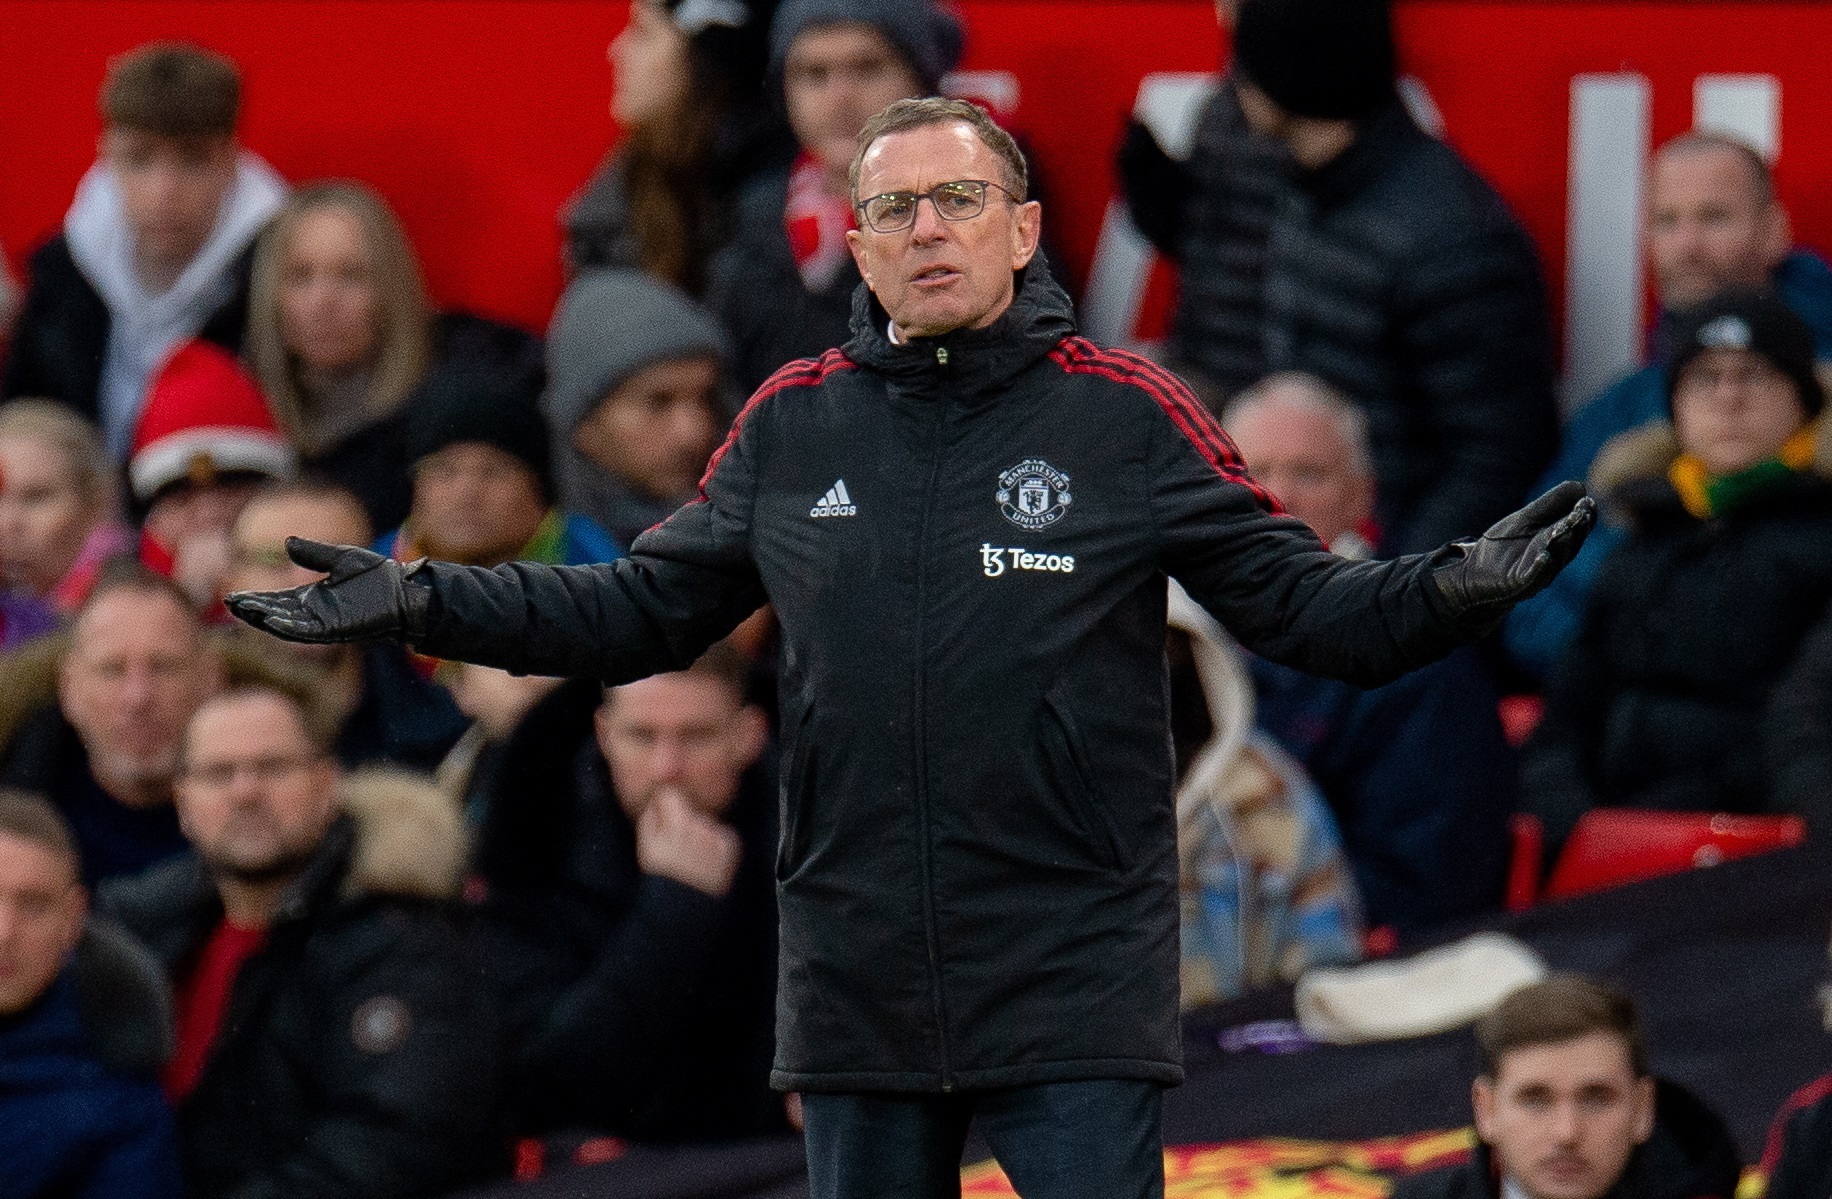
x=1033, y=494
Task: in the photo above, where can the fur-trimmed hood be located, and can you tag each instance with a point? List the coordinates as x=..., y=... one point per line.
x=410, y=837
x=1642, y=455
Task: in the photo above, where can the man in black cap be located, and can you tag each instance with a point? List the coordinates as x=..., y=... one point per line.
x=783, y=288
x=1395, y=273
x=964, y=521
x=482, y=481
x=1702, y=677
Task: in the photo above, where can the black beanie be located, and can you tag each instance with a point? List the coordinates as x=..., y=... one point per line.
x=1749, y=319
x=926, y=34
x=729, y=38
x=459, y=402
x=1328, y=59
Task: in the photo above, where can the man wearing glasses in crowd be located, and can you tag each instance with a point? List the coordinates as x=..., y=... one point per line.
x=964, y=518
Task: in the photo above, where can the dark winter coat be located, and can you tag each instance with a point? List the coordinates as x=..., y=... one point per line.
x=1701, y=680
x=977, y=870
x=46, y=757
x=1800, y=1145
x=633, y=1005
x=1212, y=214
x=1398, y=275
x=759, y=295
x=81, y=1113
x=1690, y=1155
x=1419, y=775
x=372, y=462
x=401, y=717
x=62, y=334
x=355, y=1057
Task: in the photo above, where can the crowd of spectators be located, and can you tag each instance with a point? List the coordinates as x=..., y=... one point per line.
x=291, y=920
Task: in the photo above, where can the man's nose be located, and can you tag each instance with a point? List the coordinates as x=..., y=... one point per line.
x=1565, y=1123
x=928, y=226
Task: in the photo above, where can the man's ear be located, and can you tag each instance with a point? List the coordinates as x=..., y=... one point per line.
x=855, y=242
x=753, y=734
x=1026, y=232
x=1644, y=1109
x=1482, y=1103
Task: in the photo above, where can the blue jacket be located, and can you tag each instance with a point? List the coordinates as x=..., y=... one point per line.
x=1538, y=631
x=1420, y=778
x=79, y=1117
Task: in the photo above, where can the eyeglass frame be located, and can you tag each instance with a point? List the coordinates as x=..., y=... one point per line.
x=859, y=208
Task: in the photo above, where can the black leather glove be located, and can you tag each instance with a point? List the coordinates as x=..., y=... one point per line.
x=364, y=597
x=1156, y=187
x=1518, y=556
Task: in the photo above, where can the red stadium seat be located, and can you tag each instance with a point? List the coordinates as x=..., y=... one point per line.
x=1612, y=846
x=1529, y=838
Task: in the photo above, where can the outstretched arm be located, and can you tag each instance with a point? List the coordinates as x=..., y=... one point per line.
x=685, y=583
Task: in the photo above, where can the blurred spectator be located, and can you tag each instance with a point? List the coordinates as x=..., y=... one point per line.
x=1712, y=221
x=380, y=708
x=1212, y=215
x=1702, y=675
x=204, y=444
x=633, y=398
x=1565, y=1109
x=496, y=702
x=784, y=286
x=1265, y=891
x=340, y=336
x=1418, y=772
x=9, y=300
x=482, y=484
x=329, y=1038
x=59, y=519
x=156, y=246
x=631, y=909
x=106, y=753
x=688, y=92
x=1398, y=275
x=83, y=1032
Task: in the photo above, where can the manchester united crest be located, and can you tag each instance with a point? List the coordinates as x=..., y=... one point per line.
x=1033, y=494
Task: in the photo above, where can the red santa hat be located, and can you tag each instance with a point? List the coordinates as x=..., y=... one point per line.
x=204, y=417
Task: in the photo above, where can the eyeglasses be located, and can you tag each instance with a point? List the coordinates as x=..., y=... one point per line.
x=264, y=770
x=961, y=200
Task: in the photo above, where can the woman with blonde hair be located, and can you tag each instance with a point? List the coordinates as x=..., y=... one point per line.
x=59, y=515
x=341, y=338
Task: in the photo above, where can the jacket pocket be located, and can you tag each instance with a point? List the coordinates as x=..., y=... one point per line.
x=1075, y=778
x=796, y=797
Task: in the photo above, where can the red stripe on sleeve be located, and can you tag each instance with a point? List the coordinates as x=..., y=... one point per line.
x=1077, y=355
x=803, y=372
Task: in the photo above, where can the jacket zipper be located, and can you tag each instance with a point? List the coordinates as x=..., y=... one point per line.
x=921, y=723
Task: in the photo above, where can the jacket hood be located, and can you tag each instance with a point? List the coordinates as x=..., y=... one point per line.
x=1632, y=466
x=1040, y=316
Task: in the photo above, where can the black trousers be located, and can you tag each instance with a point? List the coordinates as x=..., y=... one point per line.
x=1098, y=1139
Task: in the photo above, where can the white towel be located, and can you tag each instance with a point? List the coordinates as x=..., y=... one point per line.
x=1433, y=992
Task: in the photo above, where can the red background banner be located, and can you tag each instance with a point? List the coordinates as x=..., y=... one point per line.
x=478, y=118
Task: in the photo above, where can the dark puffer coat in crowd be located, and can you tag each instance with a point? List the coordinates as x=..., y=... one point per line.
x=1212, y=215
x=631, y=1004
x=1689, y=1156
x=356, y=1058
x=1398, y=275
x=1702, y=678
x=966, y=540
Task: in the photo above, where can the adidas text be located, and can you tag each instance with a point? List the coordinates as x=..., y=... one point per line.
x=995, y=560
x=835, y=503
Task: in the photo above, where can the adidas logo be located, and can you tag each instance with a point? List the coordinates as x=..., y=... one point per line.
x=835, y=503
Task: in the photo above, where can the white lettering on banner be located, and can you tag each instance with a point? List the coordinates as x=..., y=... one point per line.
x=995, y=558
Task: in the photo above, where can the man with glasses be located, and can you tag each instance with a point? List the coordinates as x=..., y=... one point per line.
x=329, y=1038
x=964, y=519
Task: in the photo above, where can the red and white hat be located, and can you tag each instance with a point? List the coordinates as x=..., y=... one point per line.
x=204, y=417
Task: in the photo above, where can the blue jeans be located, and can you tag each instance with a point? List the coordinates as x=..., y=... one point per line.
x=1098, y=1139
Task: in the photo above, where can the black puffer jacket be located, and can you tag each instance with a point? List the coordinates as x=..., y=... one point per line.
x=1397, y=274
x=1689, y=1156
x=1702, y=676
x=1212, y=215
x=966, y=541
x=355, y=1057
x=62, y=333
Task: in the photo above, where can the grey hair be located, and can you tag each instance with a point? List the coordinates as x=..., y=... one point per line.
x=935, y=110
x=1307, y=391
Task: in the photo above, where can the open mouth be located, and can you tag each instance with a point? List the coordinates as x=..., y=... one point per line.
x=935, y=276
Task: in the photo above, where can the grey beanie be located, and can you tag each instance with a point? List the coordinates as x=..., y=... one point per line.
x=924, y=32
x=609, y=325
